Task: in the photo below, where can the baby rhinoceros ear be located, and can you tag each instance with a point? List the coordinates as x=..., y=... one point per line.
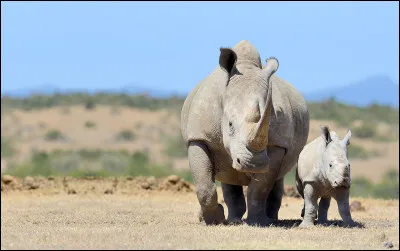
x=325, y=134
x=346, y=140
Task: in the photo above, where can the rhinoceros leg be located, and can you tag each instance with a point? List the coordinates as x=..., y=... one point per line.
x=274, y=200
x=260, y=186
x=234, y=199
x=201, y=168
x=341, y=196
x=323, y=207
x=310, y=206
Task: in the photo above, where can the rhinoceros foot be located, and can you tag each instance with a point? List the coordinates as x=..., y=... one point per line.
x=212, y=216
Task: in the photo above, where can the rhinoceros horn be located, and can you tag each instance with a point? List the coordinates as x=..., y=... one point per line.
x=258, y=137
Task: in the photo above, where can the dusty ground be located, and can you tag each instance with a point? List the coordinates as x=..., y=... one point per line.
x=147, y=213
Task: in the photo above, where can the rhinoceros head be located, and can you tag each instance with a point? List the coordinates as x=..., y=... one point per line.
x=246, y=106
x=334, y=159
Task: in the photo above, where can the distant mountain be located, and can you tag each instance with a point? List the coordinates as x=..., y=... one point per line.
x=376, y=89
x=131, y=89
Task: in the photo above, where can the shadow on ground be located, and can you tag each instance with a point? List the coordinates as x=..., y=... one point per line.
x=287, y=224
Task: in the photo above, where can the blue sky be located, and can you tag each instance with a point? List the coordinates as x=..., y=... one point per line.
x=174, y=45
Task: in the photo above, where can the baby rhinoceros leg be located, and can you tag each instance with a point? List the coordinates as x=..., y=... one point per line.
x=324, y=204
x=234, y=199
x=274, y=200
x=202, y=170
x=311, y=206
x=342, y=198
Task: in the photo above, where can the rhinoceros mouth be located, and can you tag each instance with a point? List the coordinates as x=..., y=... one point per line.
x=250, y=168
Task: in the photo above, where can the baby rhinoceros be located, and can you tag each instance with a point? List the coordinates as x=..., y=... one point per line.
x=323, y=172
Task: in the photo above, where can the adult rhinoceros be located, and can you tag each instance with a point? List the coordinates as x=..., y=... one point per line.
x=243, y=127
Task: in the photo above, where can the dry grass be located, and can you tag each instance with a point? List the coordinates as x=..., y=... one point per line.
x=138, y=219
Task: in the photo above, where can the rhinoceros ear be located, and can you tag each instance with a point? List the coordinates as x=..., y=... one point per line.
x=346, y=140
x=272, y=65
x=227, y=59
x=325, y=134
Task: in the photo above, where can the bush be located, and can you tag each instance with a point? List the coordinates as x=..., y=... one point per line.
x=126, y=135
x=388, y=188
x=54, y=135
x=90, y=104
x=90, y=124
x=365, y=131
x=176, y=147
x=38, y=166
x=7, y=149
x=356, y=151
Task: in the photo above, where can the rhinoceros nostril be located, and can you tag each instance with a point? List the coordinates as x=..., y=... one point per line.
x=238, y=160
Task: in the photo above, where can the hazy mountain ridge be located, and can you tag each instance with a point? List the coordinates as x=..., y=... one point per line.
x=376, y=89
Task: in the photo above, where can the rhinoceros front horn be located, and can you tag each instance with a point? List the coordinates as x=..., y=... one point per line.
x=258, y=139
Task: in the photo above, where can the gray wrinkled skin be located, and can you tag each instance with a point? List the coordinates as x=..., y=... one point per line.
x=243, y=126
x=323, y=172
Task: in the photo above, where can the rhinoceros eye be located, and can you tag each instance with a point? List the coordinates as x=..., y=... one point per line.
x=231, y=129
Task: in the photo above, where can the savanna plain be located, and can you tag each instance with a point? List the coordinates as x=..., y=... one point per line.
x=81, y=173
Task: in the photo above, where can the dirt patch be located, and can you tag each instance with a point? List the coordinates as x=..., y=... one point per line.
x=110, y=185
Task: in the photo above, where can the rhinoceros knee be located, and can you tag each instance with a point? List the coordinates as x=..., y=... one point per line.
x=207, y=196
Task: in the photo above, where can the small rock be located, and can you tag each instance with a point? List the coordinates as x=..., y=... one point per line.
x=33, y=186
x=71, y=191
x=388, y=244
x=129, y=178
x=108, y=191
x=30, y=183
x=173, y=179
x=7, y=179
x=145, y=185
x=50, y=178
x=356, y=206
x=28, y=180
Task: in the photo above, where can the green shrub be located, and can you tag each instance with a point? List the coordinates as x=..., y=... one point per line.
x=365, y=131
x=77, y=173
x=176, y=147
x=90, y=153
x=7, y=149
x=388, y=188
x=38, y=166
x=54, y=135
x=361, y=187
x=126, y=135
x=356, y=151
x=90, y=104
x=90, y=124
